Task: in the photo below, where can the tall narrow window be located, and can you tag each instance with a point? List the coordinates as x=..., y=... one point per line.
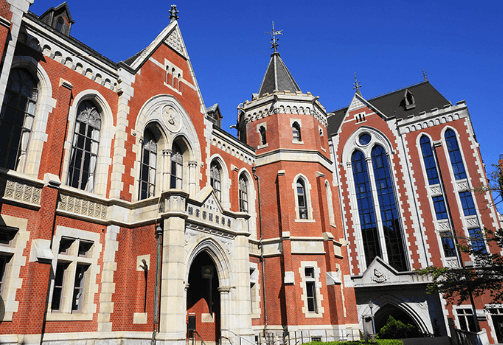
x=243, y=194
x=148, y=165
x=78, y=287
x=168, y=76
x=263, y=138
x=16, y=118
x=296, y=131
x=448, y=244
x=57, y=292
x=458, y=167
x=301, y=199
x=310, y=289
x=176, y=167
x=467, y=203
x=429, y=161
x=365, y=207
x=85, y=147
x=389, y=214
x=215, y=179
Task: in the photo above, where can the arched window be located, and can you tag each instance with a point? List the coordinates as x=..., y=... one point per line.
x=366, y=210
x=215, y=179
x=85, y=144
x=301, y=199
x=16, y=118
x=243, y=193
x=429, y=161
x=169, y=76
x=176, y=167
x=263, y=138
x=148, y=165
x=389, y=215
x=296, y=131
x=458, y=167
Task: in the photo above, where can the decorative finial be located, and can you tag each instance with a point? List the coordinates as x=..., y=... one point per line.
x=424, y=75
x=172, y=13
x=357, y=84
x=274, y=40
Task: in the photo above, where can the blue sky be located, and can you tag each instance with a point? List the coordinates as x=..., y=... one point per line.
x=387, y=43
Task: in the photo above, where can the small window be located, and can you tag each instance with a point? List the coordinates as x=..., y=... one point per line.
x=301, y=199
x=365, y=139
x=467, y=202
x=7, y=237
x=311, y=296
x=448, y=244
x=4, y=264
x=439, y=204
x=78, y=287
x=466, y=319
x=296, y=131
x=477, y=241
x=176, y=167
x=57, y=292
x=59, y=24
x=85, y=248
x=263, y=138
x=243, y=194
x=215, y=179
x=309, y=272
x=64, y=245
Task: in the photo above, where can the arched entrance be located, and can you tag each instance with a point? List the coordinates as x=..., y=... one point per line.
x=203, y=299
x=381, y=316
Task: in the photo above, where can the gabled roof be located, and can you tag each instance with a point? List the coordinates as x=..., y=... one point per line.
x=277, y=77
x=392, y=104
x=62, y=7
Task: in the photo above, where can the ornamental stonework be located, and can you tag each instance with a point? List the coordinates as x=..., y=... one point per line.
x=83, y=207
x=21, y=192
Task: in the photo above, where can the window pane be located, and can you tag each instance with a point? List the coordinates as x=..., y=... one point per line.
x=457, y=164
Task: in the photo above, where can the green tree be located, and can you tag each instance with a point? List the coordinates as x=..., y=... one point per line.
x=396, y=329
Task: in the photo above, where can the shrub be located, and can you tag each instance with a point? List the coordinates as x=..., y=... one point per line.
x=356, y=342
x=395, y=329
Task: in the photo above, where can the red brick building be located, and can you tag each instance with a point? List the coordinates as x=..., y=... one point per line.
x=127, y=213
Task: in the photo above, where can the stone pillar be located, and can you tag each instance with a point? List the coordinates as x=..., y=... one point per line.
x=225, y=318
x=166, y=169
x=192, y=177
x=173, y=307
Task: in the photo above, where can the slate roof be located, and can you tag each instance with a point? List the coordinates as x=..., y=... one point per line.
x=392, y=104
x=277, y=77
x=133, y=58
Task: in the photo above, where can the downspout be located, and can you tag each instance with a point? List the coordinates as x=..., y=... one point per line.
x=254, y=170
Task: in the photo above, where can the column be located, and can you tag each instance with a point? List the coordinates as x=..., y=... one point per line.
x=192, y=177
x=166, y=169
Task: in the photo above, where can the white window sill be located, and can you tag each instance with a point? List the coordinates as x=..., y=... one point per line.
x=297, y=142
x=262, y=146
x=69, y=317
x=305, y=221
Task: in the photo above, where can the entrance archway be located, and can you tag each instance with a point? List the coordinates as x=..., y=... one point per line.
x=381, y=316
x=203, y=298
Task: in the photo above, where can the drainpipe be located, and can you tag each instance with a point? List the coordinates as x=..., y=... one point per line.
x=254, y=170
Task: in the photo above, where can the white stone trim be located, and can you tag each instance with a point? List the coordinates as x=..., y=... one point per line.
x=309, y=206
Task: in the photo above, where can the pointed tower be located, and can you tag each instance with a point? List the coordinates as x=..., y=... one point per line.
x=301, y=239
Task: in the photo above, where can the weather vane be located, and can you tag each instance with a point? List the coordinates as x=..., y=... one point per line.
x=357, y=84
x=274, y=40
x=424, y=75
x=173, y=13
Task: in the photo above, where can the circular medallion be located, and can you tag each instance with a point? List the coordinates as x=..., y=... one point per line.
x=171, y=119
x=364, y=139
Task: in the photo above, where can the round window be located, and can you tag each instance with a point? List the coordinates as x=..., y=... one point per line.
x=365, y=139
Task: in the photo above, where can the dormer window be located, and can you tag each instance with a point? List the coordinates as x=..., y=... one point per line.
x=59, y=24
x=408, y=100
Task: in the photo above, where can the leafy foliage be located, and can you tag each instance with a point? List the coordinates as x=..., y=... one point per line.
x=394, y=329
x=358, y=342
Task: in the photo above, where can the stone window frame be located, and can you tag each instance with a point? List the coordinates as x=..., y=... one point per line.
x=319, y=310
x=298, y=126
x=307, y=191
x=264, y=126
x=107, y=134
x=17, y=260
x=464, y=315
x=225, y=182
x=91, y=285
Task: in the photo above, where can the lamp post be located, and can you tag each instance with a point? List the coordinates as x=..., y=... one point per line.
x=371, y=306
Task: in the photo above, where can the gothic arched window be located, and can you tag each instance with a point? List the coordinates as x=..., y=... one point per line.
x=176, y=167
x=458, y=167
x=366, y=210
x=216, y=179
x=148, y=166
x=389, y=215
x=429, y=160
x=302, y=199
x=243, y=193
x=296, y=131
x=16, y=118
x=85, y=144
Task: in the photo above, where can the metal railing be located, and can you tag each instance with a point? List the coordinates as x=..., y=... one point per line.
x=301, y=337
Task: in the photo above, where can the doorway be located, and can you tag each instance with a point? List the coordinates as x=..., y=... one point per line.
x=203, y=299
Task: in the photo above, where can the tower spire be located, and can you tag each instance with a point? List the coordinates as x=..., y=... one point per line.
x=357, y=85
x=274, y=40
x=173, y=13
x=424, y=75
